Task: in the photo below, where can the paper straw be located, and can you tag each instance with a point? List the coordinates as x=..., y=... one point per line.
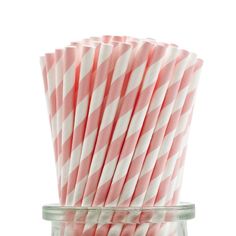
x=170, y=96
x=67, y=108
x=168, y=187
x=161, y=229
x=146, y=93
x=146, y=133
x=88, y=196
x=80, y=111
x=136, y=124
x=154, y=146
x=69, y=164
x=164, y=229
x=50, y=69
x=81, y=179
x=51, y=93
x=118, y=68
x=121, y=126
x=125, y=112
x=179, y=137
x=170, y=132
x=45, y=82
x=96, y=103
x=164, y=78
x=115, y=88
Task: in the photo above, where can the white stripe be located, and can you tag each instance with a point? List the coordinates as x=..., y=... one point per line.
x=171, y=54
x=121, y=125
x=51, y=80
x=87, y=63
x=138, y=200
x=182, y=122
x=150, y=161
x=195, y=79
x=136, y=77
x=115, y=229
x=81, y=111
x=59, y=75
x=121, y=65
x=70, y=197
x=97, y=97
x=152, y=74
x=107, y=172
x=109, y=113
x=75, y=158
x=64, y=173
x=79, y=189
x=142, y=229
x=67, y=127
x=170, y=166
x=54, y=121
x=143, y=143
x=87, y=202
x=152, y=188
x=166, y=143
x=158, y=97
x=164, y=116
x=179, y=70
x=129, y=188
x=88, y=144
x=68, y=80
x=97, y=161
x=179, y=102
x=104, y=53
x=122, y=168
x=137, y=121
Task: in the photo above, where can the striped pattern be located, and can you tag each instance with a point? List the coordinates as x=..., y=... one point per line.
x=120, y=110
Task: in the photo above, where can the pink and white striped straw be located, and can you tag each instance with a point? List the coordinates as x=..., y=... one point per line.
x=135, y=126
x=184, y=58
x=170, y=131
x=67, y=110
x=167, y=188
x=154, y=146
x=112, y=100
x=81, y=111
x=163, y=79
x=132, y=90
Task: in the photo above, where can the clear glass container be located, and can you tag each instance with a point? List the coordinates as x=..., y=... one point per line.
x=114, y=221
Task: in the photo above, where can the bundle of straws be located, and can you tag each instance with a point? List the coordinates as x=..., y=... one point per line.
x=120, y=110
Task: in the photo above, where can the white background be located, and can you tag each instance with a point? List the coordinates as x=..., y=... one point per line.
x=30, y=28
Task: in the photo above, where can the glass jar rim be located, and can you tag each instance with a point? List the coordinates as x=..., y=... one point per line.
x=109, y=215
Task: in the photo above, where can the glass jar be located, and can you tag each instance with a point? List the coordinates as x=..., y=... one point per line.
x=114, y=221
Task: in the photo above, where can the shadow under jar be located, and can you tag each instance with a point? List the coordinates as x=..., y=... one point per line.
x=119, y=221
